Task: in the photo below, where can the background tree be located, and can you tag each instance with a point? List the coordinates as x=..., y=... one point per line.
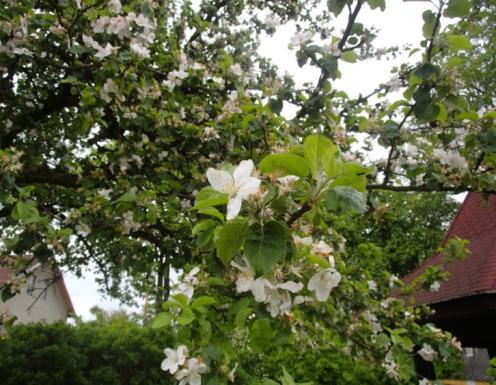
x=406, y=227
x=113, y=349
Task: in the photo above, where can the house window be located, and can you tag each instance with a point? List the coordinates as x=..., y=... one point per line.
x=31, y=283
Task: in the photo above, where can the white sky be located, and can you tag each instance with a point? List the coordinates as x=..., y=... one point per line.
x=400, y=24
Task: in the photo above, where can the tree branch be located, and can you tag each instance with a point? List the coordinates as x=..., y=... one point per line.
x=325, y=73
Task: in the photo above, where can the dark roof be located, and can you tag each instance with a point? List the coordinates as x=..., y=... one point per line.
x=476, y=274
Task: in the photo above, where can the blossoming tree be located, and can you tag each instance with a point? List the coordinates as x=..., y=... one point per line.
x=142, y=135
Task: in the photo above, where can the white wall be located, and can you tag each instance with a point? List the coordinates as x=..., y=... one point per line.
x=48, y=308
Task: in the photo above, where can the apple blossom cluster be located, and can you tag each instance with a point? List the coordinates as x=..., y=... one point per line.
x=186, y=370
x=122, y=27
x=10, y=160
x=275, y=295
x=240, y=186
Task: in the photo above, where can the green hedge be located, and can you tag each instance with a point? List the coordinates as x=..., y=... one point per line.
x=97, y=353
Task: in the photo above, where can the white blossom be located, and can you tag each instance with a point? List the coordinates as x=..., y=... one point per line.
x=174, y=359
x=322, y=248
x=105, y=193
x=128, y=223
x=192, y=373
x=450, y=159
x=287, y=182
x=246, y=277
x=428, y=353
x=239, y=186
x=271, y=21
x=236, y=69
x=372, y=285
x=435, y=286
x=99, y=24
x=83, y=229
x=230, y=375
x=300, y=38
x=119, y=26
x=103, y=52
x=373, y=321
x=305, y=241
x=139, y=49
x=115, y=6
x=187, y=284
x=323, y=282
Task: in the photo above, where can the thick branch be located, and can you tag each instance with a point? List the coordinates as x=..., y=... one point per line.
x=298, y=213
x=49, y=176
x=434, y=32
x=425, y=188
x=54, y=103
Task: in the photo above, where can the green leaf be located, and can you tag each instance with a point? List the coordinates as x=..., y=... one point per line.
x=264, y=381
x=206, y=331
x=377, y=3
x=181, y=300
x=261, y=335
x=458, y=8
x=208, y=197
x=285, y=164
x=301, y=57
x=336, y=6
x=427, y=71
x=187, y=316
x=27, y=212
x=127, y=197
x=213, y=212
x=342, y=199
x=265, y=246
x=459, y=42
x=242, y=316
x=230, y=238
x=331, y=66
x=202, y=226
x=353, y=175
x=382, y=340
x=319, y=153
x=161, y=320
x=200, y=302
x=429, y=24
x=287, y=379
x=276, y=105
x=349, y=56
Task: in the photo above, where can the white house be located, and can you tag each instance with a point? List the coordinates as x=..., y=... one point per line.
x=44, y=297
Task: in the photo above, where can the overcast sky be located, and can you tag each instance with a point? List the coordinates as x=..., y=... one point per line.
x=400, y=24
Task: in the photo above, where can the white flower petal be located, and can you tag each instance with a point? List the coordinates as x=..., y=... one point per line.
x=293, y=287
x=243, y=171
x=244, y=283
x=258, y=288
x=219, y=179
x=323, y=282
x=247, y=187
x=195, y=379
x=233, y=207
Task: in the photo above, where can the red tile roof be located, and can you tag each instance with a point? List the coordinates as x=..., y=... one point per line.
x=4, y=275
x=476, y=274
